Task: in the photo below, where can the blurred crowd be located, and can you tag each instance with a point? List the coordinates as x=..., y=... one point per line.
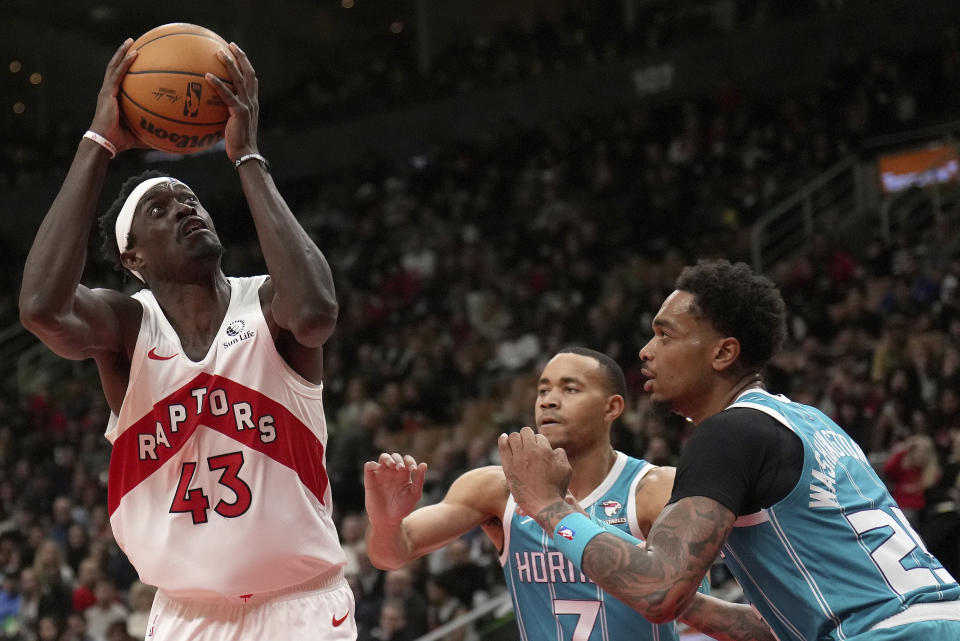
x=460, y=271
x=385, y=72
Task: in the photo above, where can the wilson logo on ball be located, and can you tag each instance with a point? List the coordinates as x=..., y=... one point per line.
x=173, y=141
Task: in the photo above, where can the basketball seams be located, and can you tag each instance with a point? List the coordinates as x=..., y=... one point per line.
x=173, y=72
x=167, y=118
x=218, y=40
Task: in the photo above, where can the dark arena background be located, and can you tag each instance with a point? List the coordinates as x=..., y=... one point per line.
x=492, y=181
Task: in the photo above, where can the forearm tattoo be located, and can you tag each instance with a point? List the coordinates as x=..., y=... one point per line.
x=726, y=621
x=549, y=516
x=660, y=580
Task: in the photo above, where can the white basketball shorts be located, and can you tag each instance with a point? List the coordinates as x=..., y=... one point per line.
x=320, y=609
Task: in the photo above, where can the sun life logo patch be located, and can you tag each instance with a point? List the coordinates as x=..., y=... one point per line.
x=235, y=328
x=237, y=331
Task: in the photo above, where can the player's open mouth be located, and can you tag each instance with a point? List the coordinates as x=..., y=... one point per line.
x=192, y=225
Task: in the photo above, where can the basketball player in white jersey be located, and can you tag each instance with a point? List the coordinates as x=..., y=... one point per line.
x=580, y=395
x=218, y=490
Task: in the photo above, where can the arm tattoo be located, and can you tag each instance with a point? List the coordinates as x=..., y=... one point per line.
x=726, y=621
x=660, y=580
x=549, y=516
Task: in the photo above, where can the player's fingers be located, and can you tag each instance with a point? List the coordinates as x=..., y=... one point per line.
x=398, y=463
x=233, y=70
x=419, y=476
x=115, y=76
x=560, y=456
x=527, y=436
x=243, y=61
x=409, y=462
x=385, y=460
x=503, y=444
x=223, y=90
x=127, y=61
x=119, y=53
x=119, y=63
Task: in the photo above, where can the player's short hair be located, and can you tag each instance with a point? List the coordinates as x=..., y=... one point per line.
x=612, y=373
x=108, y=221
x=740, y=304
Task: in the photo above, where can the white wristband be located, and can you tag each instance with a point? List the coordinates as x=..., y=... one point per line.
x=242, y=159
x=103, y=142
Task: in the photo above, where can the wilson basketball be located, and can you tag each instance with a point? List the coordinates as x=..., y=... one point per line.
x=164, y=97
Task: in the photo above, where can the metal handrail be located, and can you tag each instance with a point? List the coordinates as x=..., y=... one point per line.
x=803, y=198
x=933, y=131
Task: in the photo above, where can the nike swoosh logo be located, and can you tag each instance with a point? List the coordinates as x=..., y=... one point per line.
x=337, y=622
x=526, y=520
x=153, y=354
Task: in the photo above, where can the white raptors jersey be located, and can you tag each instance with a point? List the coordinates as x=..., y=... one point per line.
x=218, y=481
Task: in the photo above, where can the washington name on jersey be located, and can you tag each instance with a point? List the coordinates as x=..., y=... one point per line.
x=836, y=557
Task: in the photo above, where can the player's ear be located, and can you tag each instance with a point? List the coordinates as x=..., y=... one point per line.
x=726, y=353
x=615, y=406
x=131, y=260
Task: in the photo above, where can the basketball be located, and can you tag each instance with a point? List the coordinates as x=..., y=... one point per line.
x=164, y=98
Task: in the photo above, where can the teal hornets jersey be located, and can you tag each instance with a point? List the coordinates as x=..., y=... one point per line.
x=836, y=557
x=552, y=600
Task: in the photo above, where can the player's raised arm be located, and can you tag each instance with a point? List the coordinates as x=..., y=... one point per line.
x=399, y=534
x=72, y=320
x=303, y=298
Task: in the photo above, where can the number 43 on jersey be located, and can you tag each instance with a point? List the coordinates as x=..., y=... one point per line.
x=196, y=502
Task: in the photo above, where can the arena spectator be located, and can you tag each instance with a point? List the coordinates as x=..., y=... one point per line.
x=913, y=469
x=443, y=605
x=106, y=612
x=10, y=600
x=83, y=591
x=392, y=625
x=140, y=601
x=76, y=628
